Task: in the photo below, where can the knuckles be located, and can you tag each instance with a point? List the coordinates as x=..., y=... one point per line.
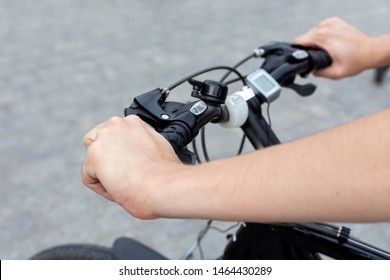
x=115, y=121
x=110, y=131
x=131, y=120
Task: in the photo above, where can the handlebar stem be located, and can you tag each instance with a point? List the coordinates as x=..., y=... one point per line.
x=256, y=127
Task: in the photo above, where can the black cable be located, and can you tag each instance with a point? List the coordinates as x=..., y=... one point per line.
x=231, y=69
x=194, y=146
x=236, y=66
x=232, y=81
x=269, y=123
x=204, y=146
x=242, y=144
x=224, y=77
x=201, y=235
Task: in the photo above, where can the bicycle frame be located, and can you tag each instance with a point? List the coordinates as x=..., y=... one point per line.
x=297, y=241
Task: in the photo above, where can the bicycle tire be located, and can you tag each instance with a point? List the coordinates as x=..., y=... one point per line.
x=76, y=252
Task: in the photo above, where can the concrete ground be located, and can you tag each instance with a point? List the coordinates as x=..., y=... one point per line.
x=67, y=65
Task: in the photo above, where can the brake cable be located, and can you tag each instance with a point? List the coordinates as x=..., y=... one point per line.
x=230, y=69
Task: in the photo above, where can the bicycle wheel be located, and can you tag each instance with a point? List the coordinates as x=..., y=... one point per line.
x=75, y=252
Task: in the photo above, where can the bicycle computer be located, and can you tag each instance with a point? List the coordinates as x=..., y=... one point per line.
x=264, y=84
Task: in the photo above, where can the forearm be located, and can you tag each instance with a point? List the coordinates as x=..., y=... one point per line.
x=342, y=174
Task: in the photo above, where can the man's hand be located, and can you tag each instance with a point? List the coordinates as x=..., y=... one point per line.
x=352, y=51
x=125, y=159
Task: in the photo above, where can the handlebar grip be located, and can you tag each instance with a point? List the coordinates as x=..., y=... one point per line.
x=178, y=135
x=321, y=59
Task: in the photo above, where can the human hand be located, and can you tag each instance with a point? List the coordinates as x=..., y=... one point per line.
x=350, y=49
x=125, y=159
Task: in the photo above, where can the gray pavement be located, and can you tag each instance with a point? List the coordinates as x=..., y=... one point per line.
x=67, y=65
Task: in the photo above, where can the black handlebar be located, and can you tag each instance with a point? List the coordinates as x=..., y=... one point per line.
x=180, y=123
x=321, y=59
x=285, y=61
x=178, y=135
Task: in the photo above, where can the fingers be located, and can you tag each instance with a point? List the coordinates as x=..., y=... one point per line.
x=90, y=137
x=306, y=39
x=90, y=176
x=139, y=127
x=91, y=181
x=131, y=121
x=135, y=122
x=318, y=35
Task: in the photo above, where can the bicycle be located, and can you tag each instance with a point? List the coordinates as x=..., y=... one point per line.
x=180, y=123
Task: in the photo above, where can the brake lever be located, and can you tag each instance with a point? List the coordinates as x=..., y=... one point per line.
x=303, y=90
x=284, y=61
x=179, y=123
x=148, y=107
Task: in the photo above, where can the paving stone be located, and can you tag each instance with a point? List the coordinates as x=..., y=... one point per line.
x=67, y=65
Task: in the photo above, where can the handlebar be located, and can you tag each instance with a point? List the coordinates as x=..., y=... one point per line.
x=321, y=59
x=180, y=123
x=178, y=136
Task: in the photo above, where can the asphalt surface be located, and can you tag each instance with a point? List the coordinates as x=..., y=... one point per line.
x=65, y=66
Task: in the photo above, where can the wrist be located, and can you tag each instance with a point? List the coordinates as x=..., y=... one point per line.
x=190, y=192
x=168, y=191
x=152, y=196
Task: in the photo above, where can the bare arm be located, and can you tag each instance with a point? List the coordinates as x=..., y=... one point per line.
x=342, y=174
